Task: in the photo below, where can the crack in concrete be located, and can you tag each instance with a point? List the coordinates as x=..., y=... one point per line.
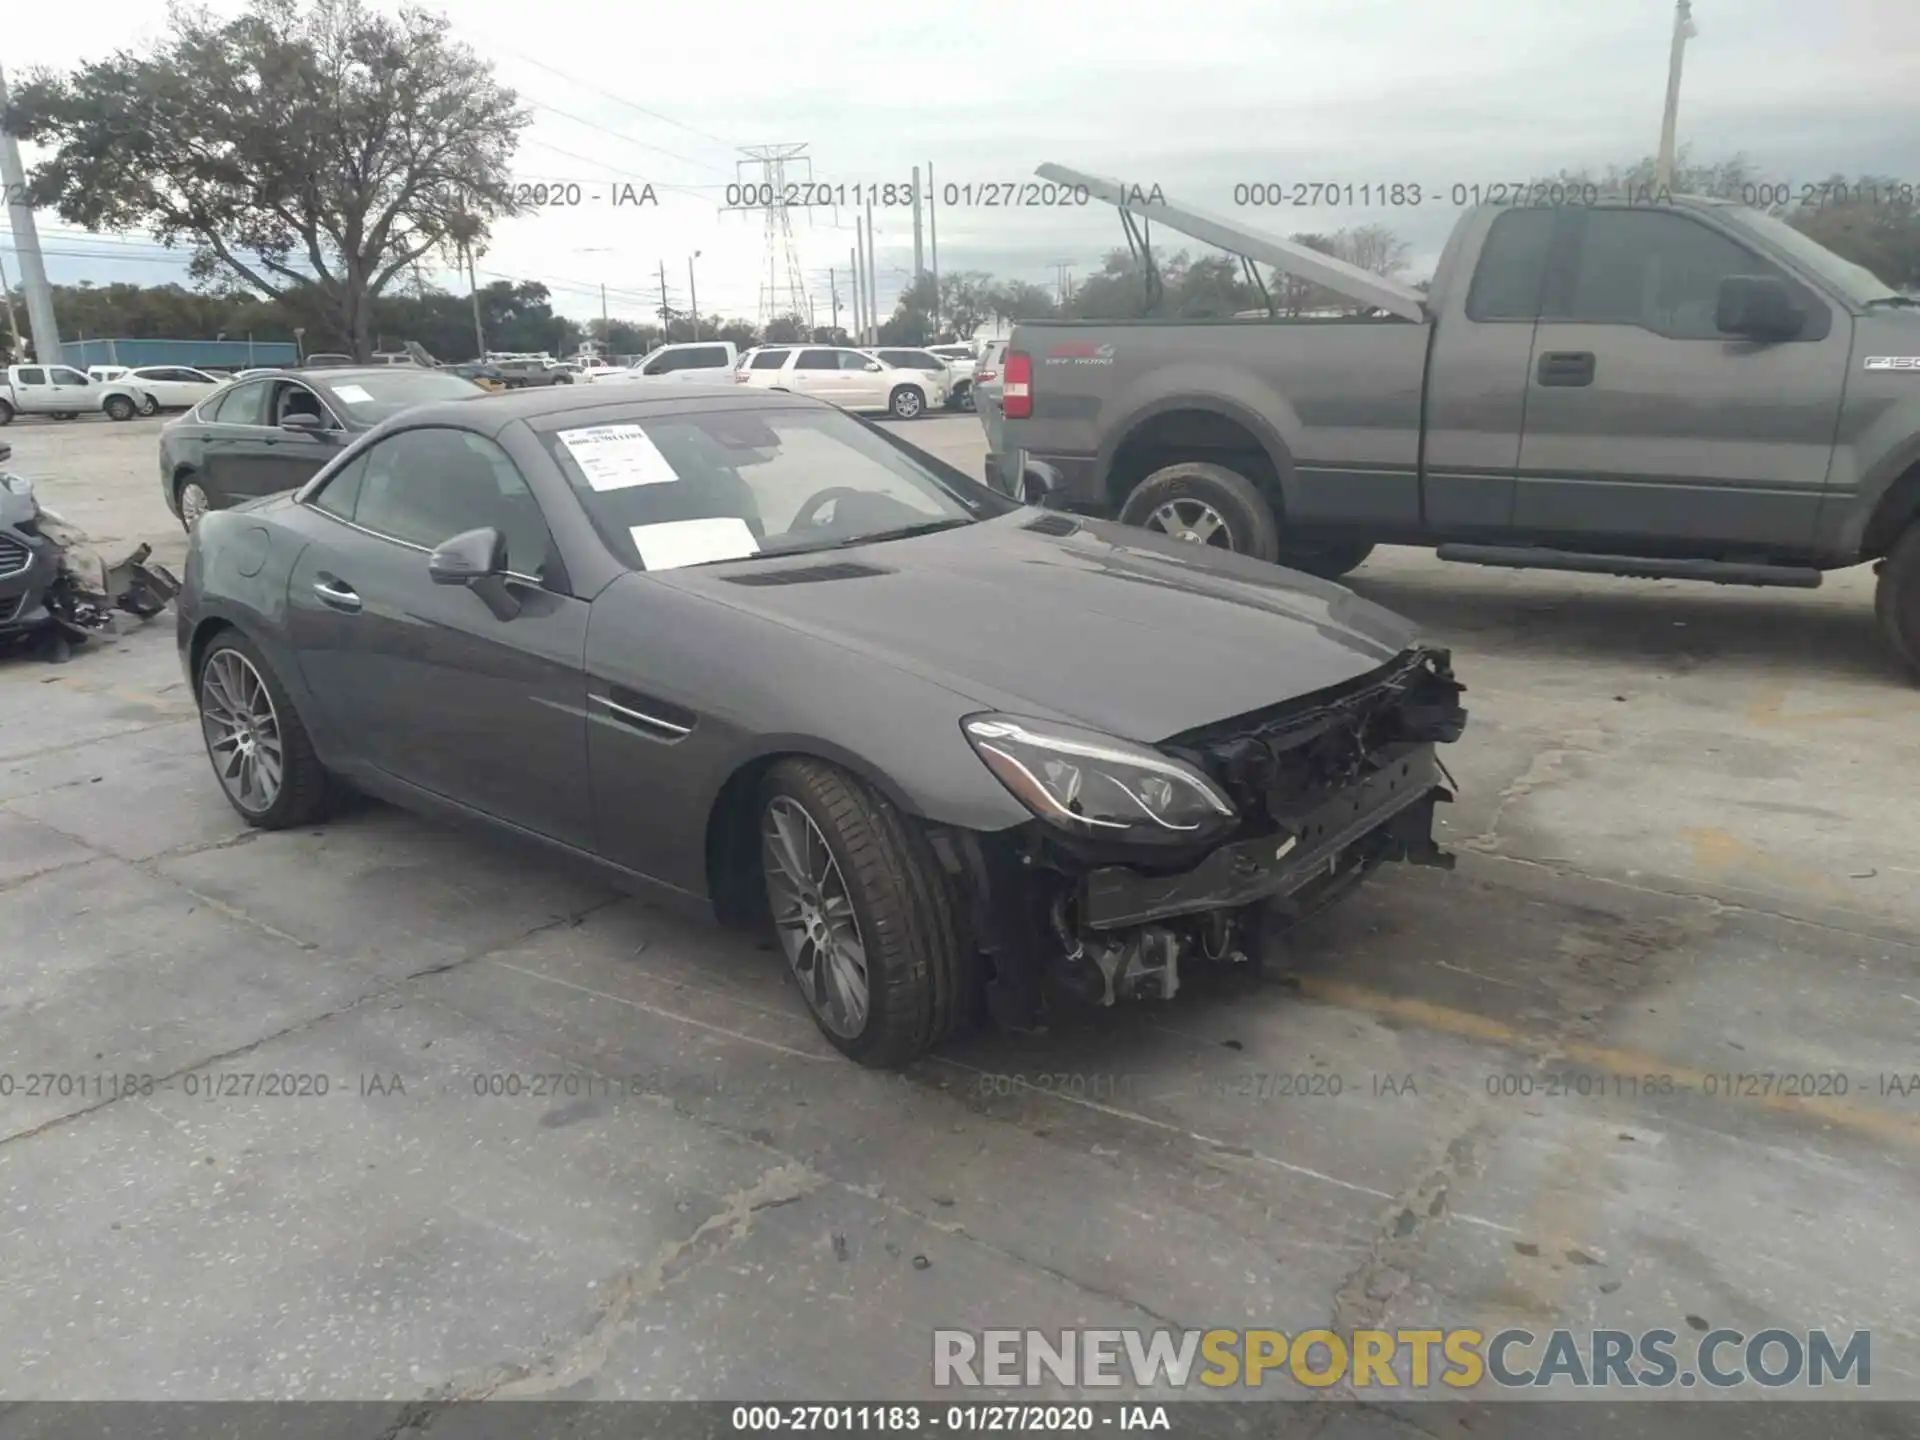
x=623, y=1295
x=379, y=992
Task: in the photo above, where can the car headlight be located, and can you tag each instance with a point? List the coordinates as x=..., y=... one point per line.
x=1096, y=785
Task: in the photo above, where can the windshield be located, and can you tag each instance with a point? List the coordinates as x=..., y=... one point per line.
x=370, y=399
x=667, y=491
x=1856, y=283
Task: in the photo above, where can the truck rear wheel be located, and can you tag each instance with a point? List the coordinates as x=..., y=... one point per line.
x=1205, y=504
x=1896, y=600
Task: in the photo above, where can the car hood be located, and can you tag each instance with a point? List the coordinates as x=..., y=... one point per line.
x=1135, y=635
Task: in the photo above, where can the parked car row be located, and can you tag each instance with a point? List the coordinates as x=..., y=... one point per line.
x=856, y=380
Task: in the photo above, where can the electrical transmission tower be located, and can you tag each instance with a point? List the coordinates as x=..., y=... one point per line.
x=770, y=178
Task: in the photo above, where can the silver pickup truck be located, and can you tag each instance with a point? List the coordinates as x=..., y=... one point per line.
x=1686, y=389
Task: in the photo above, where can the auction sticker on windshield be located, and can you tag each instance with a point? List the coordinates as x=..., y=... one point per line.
x=674, y=543
x=614, y=457
x=353, y=394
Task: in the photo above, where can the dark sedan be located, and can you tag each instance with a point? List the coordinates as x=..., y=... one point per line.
x=273, y=432
x=745, y=651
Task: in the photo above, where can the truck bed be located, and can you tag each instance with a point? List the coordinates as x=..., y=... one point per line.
x=1285, y=381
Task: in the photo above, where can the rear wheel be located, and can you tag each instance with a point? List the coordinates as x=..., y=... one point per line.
x=868, y=921
x=194, y=502
x=1896, y=600
x=1205, y=504
x=255, y=741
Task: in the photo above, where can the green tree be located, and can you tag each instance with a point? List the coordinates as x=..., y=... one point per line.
x=1012, y=300
x=322, y=147
x=787, y=330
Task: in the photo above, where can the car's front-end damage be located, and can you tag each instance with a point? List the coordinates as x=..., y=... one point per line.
x=1142, y=860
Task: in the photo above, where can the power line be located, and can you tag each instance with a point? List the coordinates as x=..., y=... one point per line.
x=617, y=99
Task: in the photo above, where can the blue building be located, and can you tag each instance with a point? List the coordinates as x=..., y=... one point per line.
x=201, y=354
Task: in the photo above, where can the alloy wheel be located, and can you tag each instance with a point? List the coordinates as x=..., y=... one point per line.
x=813, y=913
x=242, y=730
x=149, y=406
x=193, y=504
x=1193, y=521
x=906, y=405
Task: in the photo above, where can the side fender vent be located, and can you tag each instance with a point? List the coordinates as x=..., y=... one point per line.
x=807, y=574
x=1053, y=524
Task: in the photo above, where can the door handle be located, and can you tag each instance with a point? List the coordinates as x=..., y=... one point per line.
x=1566, y=367
x=337, y=594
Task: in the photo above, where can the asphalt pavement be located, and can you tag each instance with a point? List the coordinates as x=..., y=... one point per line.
x=416, y=1115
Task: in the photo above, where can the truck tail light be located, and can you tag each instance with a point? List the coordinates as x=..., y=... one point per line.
x=1016, y=394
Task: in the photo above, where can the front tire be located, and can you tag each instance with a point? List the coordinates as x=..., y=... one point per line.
x=6, y=413
x=120, y=407
x=149, y=406
x=868, y=921
x=906, y=403
x=1205, y=504
x=1896, y=600
x=255, y=740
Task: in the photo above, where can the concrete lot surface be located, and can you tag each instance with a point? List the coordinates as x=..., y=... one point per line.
x=1549, y=1088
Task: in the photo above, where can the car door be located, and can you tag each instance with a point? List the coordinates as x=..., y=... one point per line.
x=235, y=454
x=1643, y=419
x=865, y=384
x=177, y=387
x=816, y=372
x=294, y=457
x=71, y=392
x=423, y=681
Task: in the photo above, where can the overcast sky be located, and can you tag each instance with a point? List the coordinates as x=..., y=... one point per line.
x=1196, y=97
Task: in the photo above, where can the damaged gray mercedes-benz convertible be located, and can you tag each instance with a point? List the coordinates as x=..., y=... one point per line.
x=744, y=650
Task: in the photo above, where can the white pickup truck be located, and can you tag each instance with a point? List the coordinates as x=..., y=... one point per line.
x=699, y=362
x=62, y=392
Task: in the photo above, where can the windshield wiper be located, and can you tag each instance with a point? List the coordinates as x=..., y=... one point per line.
x=1900, y=302
x=902, y=532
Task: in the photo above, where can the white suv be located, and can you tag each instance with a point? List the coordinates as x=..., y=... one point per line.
x=851, y=379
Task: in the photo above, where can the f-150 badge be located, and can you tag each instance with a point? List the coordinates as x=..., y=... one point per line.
x=1894, y=362
x=1080, y=352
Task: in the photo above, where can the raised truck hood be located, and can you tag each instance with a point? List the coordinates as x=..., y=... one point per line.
x=1132, y=634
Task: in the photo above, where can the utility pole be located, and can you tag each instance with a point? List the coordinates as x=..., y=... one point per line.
x=919, y=259
x=833, y=289
x=606, y=326
x=26, y=244
x=933, y=246
x=693, y=296
x=666, y=333
x=873, y=299
x=473, y=289
x=853, y=274
x=1683, y=31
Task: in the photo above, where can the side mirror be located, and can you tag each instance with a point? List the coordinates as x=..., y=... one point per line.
x=473, y=555
x=875, y=366
x=476, y=559
x=1040, y=482
x=1759, y=307
x=311, y=426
